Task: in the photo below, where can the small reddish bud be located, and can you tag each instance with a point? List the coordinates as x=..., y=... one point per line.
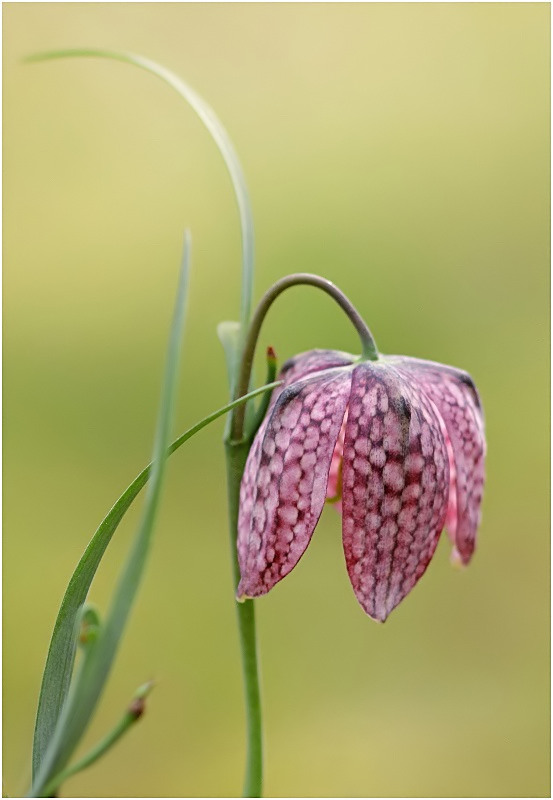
x=138, y=703
x=137, y=707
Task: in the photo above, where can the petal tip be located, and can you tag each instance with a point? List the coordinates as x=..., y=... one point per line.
x=457, y=561
x=379, y=616
x=241, y=595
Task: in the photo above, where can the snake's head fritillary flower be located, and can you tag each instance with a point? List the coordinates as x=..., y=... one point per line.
x=397, y=443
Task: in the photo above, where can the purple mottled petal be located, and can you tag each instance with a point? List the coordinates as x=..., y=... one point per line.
x=285, y=480
x=455, y=396
x=248, y=489
x=292, y=370
x=305, y=364
x=395, y=482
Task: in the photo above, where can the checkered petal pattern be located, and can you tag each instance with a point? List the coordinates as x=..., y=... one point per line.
x=398, y=444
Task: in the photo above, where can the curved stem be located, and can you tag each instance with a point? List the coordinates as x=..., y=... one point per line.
x=218, y=134
x=369, y=351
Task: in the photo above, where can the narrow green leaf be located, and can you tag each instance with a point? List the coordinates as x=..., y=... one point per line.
x=87, y=687
x=219, y=136
x=61, y=653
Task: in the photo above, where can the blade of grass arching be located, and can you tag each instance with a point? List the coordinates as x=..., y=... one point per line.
x=224, y=144
x=87, y=687
x=61, y=653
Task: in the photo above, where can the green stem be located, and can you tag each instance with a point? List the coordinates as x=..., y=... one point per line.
x=237, y=445
x=266, y=398
x=237, y=453
x=131, y=715
x=368, y=345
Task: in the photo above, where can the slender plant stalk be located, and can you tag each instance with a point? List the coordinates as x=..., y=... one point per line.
x=266, y=399
x=238, y=443
x=132, y=714
x=236, y=455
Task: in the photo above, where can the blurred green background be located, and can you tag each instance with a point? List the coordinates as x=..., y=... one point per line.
x=401, y=150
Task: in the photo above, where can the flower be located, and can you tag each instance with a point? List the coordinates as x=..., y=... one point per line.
x=397, y=443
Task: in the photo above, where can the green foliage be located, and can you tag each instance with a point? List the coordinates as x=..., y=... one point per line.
x=65, y=707
x=66, y=720
x=61, y=654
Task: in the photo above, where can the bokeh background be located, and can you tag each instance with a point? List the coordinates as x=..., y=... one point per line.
x=401, y=150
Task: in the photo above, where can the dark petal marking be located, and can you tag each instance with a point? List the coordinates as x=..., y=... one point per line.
x=305, y=364
x=456, y=398
x=284, y=485
x=394, y=487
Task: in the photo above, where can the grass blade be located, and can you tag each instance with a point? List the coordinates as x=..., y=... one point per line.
x=87, y=687
x=218, y=134
x=61, y=654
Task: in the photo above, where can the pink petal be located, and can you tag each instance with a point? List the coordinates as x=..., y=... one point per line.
x=302, y=365
x=395, y=487
x=284, y=485
x=305, y=364
x=455, y=396
x=292, y=370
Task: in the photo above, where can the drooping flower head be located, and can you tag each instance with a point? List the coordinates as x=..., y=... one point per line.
x=397, y=443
